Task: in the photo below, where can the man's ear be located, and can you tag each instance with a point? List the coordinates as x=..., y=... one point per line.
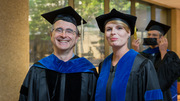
x=160, y=36
x=50, y=33
x=77, y=39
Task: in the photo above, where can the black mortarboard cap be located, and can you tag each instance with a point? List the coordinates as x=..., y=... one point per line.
x=130, y=20
x=154, y=25
x=67, y=14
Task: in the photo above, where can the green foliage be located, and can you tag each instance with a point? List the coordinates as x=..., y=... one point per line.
x=37, y=24
x=140, y=6
x=89, y=9
x=121, y=5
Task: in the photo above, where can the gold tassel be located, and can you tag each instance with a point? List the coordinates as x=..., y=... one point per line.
x=135, y=34
x=82, y=36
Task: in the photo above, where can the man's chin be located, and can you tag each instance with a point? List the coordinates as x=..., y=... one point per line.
x=153, y=46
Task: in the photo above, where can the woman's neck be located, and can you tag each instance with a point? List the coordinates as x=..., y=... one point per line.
x=118, y=54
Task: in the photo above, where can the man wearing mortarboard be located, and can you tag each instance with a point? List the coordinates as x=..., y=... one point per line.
x=61, y=76
x=166, y=63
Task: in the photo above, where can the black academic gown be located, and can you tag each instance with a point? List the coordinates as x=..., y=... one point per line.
x=140, y=85
x=168, y=69
x=42, y=84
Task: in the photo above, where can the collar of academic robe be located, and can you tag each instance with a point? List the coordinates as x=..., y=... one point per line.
x=152, y=50
x=75, y=65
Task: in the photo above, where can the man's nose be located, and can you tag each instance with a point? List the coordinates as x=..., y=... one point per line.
x=63, y=34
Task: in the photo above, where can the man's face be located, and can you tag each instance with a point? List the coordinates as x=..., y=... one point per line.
x=64, y=36
x=154, y=34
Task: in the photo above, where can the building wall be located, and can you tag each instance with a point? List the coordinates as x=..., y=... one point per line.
x=175, y=30
x=14, y=47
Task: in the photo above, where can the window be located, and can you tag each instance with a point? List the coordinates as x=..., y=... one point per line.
x=121, y=5
x=91, y=43
x=143, y=13
x=161, y=15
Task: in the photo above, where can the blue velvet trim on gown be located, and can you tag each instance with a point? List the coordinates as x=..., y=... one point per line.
x=118, y=89
x=153, y=95
x=77, y=65
x=152, y=50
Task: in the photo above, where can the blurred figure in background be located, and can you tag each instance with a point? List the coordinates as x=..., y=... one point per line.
x=166, y=63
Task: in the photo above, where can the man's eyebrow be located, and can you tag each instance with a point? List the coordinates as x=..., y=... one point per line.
x=69, y=29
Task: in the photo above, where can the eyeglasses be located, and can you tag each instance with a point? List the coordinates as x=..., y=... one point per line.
x=67, y=31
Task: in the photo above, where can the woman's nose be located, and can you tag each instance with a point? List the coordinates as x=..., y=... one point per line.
x=113, y=31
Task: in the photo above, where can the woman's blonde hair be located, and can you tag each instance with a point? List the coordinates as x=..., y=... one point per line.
x=121, y=23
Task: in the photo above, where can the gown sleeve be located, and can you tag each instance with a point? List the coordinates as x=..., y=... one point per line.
x=24, y=91
x=153, y=91
x=168, y=70
x=35, y=87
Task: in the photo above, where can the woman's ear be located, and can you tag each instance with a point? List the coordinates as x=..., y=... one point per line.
x=129, y=34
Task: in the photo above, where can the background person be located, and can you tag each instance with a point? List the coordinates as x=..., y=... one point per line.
x=166, y=63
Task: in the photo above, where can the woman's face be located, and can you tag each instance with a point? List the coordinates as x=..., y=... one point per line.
x=116, y=35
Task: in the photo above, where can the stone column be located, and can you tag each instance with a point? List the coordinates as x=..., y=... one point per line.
x=14, y=47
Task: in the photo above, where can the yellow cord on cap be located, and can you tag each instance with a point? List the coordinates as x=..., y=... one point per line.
x=135, y=34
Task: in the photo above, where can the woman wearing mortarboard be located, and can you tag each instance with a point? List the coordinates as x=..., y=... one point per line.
x=124, y=75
